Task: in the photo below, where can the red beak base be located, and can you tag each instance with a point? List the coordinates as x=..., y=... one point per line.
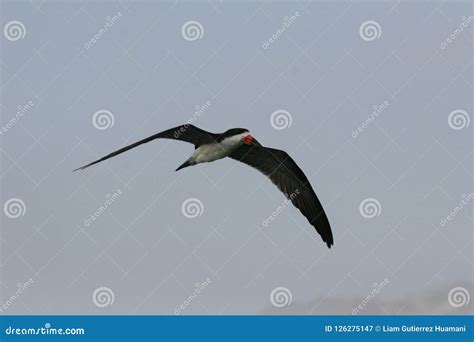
x=248, y=139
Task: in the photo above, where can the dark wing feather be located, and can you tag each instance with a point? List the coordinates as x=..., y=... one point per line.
x=290, y=179
x=188, y=133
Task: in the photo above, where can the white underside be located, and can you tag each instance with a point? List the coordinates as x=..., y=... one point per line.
x=211, y=152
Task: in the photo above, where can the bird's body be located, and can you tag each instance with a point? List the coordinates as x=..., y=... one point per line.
x=214, y=151
x=238, y=144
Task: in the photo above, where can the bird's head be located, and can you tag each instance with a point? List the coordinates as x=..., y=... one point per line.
x=240, y=133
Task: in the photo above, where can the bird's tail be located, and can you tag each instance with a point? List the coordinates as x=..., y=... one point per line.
x=185, y=164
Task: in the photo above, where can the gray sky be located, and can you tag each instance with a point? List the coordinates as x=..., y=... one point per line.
x=372, y=99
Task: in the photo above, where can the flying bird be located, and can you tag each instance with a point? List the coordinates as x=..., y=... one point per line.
x=238, y=144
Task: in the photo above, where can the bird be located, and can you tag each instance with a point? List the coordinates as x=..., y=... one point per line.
x=240, y=145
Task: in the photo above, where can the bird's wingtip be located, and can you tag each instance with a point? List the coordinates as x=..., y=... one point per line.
x=79, y=168
x=329, y=241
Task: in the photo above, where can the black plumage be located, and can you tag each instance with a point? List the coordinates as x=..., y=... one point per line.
x=275, y=164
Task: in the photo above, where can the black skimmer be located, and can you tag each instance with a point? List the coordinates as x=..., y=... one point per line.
x=238, y=144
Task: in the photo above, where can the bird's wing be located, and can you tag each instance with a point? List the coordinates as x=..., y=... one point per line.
x=188, y=133
x=290, y=179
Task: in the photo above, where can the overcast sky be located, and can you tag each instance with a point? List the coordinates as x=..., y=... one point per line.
x=371, y=99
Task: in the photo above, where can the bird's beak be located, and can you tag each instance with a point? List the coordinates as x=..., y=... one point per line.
x=248, y=139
